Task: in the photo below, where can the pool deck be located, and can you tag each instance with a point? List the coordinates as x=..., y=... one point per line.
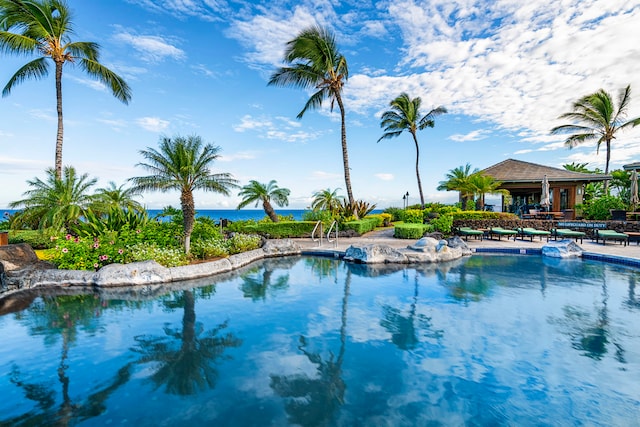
x=385, y=236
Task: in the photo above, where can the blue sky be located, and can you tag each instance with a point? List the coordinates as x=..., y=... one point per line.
x=504, y=69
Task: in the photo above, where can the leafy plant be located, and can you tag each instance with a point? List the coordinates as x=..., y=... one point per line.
x=412, y=216
x=599, y=209
x=442, y=223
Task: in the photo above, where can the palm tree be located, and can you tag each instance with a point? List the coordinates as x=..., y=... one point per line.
x=596, y=118
x=183, y=164
x=258, y=192
x=326, y=200
x=119, y=197
x=481, y=184
x=405, y=115
x=55, y=203
x=458, y=180
x=44, y=27
x=315, y=63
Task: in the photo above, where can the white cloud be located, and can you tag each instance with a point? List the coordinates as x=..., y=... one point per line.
x=152, y=124
x=278, y=128
x=325, y=176
x=151, y=48
x=241, y=155
x=207, y=10
x=475, y=135
x=385, y=176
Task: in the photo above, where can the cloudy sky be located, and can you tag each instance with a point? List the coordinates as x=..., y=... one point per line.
x=504, y=69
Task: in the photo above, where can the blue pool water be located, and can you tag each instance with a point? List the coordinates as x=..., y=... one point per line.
x=486, y=341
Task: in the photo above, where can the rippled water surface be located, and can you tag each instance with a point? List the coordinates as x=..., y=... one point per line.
x=312, y=341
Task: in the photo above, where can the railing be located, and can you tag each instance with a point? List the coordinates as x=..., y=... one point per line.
x=334, y=241
x=313, y=233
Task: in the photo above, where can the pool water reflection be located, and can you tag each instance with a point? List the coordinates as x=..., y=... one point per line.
x=505, y=340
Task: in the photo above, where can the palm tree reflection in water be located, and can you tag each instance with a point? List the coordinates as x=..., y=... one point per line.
x=186, y=358
x=314, y=401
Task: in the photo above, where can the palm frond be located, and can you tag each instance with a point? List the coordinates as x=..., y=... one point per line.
x=37, y=69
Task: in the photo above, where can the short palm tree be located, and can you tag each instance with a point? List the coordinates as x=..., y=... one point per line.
x=480, y=184
x=314, y=62
x=326, y=200
x=458, y=180
x=55, y=203
x=183, y=164
x=265, y=193
x=596, y=118
x=44, y=28
x=114, y=196
x=404, y=115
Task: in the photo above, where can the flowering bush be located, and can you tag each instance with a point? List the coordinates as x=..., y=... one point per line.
x=209, y=248
x=169, y=257
x=75, y=253
x=243, y=242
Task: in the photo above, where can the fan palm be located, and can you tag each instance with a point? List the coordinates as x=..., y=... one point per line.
x=265, y=193
x=315, y=63
x=55, y=203
x=458, y=180
x=44, y=27
x=326, y=200
x=404, y=115
x=183, y=164
x=596, y=118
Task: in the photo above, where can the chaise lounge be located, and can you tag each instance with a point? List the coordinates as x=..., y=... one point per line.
x=499, y=231
x=605, y=235
x=533, y=232
x=468, y=231
x=567, y=233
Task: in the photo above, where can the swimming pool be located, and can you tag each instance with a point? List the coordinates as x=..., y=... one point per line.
x=486, y=340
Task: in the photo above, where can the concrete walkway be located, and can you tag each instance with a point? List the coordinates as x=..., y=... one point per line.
x=385, y=236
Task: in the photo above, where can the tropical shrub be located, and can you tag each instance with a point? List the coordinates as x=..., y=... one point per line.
x=325, y=216
x=205, y=228
x=209, y=248
x=384, y=219
x=358, y=208
x=464, y=215
x=412, y=216
x=114, y=220
x=243, y=242
x=168, y=257
x=396, y=213
x=442, y=223
x=411, y=230
x=37, y=239
x=278, y=230
x=599, y=209
x=361, y=226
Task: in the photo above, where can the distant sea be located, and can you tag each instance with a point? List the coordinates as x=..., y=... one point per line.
x=230, y=214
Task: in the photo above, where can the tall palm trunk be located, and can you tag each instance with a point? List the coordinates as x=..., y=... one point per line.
x=606, y=167
x=345, y=153
x=58, y=160
x=268, y=209
x=415, y=140
x=189, y=215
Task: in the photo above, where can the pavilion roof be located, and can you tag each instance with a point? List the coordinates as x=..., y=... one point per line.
x=511, y=171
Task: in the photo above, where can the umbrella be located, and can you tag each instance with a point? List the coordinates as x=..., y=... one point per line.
x=544, y=198
x=633, y=193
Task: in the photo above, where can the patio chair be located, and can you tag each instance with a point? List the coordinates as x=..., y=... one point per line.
x=499, y=231
x=533, y=232
x=605, y=235
x=567, y=233
x=468, y=231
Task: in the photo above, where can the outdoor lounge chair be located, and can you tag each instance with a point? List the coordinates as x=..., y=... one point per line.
x=605, y=235
x=533, y=232
x=565, y=232
x=499, y=231
x=468, y=231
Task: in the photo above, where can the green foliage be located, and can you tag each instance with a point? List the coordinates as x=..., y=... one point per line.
x=361, y=226
x=411, y=230
x=471, y=205
x=598, y=209
x=396, y=213
x=318, y=215
x=463, y=215
x=412, y=216
x=243, y=242
x=278, y=230
x=358, y=207
x=37, y=239
x=168, y=257
x=442, y=223
x=384, y=219
x=210, y=248
x=205, y=228
x=115, y=220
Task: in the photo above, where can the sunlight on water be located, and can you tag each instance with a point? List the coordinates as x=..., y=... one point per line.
x=312, y=341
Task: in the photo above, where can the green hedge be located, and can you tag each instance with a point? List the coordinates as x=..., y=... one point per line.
x=362, y=226
x=482, y=215
x=279, y=230
x=34, y=238
x=411, y=231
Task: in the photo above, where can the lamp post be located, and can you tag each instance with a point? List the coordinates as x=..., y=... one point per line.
x=405, y=200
